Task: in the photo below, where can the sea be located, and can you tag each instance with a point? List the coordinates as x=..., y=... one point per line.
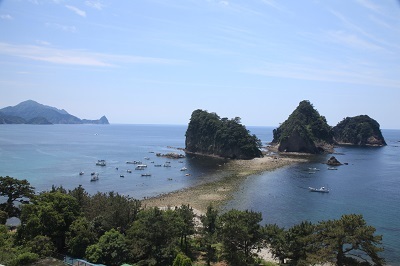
x=368, y=184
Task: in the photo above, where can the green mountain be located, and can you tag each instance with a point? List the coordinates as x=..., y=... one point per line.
x=359, y=130
x=31, y=112
x=304, y=131
x=209, y=134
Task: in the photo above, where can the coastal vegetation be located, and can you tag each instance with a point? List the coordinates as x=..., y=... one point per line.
x=209, y=134
x=358, y=130
x=305, y=130
x=113, y=229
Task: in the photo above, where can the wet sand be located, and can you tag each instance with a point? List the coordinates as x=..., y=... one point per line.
x=223, y=188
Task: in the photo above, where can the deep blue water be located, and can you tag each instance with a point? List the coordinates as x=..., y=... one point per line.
x=55, y=154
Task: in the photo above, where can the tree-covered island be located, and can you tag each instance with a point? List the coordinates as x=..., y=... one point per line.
x=307, y=131
x=209, y=134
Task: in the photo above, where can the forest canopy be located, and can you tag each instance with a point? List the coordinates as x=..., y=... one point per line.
x=209, y=134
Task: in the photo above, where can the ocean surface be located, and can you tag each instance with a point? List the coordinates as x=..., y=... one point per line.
x=49, y=155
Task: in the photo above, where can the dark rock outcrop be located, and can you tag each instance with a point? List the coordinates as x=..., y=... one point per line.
x=305, y=131
x=333, y=161
x=359, y=130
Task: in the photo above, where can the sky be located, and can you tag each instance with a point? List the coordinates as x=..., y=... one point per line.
x=156, y=61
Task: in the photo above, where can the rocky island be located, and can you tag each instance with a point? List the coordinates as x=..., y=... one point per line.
x=359, y=130
x=305, y=131
x=31, y=112
x=209, y=134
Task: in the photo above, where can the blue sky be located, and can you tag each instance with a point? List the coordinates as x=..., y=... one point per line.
x=155, y=61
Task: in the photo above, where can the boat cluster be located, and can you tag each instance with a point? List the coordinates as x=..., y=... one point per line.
x=139, y=166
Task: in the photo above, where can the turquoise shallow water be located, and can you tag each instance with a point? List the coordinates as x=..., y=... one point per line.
x=55, y=154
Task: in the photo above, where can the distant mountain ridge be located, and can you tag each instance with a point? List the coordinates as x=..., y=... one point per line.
x=31, y=112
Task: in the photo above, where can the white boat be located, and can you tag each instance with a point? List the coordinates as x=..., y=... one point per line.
x=81, y=173
x=129, y=171
x=139, y=168
x=183, y=169
x=313, y=169
x=332, y=168
x=94, y=178
x=321, y=189
x=101, y=163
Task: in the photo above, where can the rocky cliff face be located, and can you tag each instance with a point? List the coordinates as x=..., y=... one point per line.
x=305, y=131
x=359, y=130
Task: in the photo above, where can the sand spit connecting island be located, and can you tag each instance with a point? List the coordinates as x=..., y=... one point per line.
x=225, y=184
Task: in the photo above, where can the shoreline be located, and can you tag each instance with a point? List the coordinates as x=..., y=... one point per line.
x=222, y=189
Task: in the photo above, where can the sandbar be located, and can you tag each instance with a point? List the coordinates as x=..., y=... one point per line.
x=221, y=190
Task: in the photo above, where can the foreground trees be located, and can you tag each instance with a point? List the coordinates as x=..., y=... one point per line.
x=14, y=190
x=111, y=229
x=347, y=241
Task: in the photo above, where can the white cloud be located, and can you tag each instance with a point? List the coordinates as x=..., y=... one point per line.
x=56, y=26
x=41, y=42
x=369, y=5
x=77, y=57
x=351, y=40
x=6, y=16
x=352, y=73
x=94, y=4
x=76, y=10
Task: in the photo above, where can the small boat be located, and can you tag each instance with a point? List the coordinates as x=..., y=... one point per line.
x=101, y=163
x=94, y=178
x=187, y=174
x=81, y=173
x=142, y=165
x=313, y=169
x=92, y=173
x=167, y=165
x=332, y=168
x=129, y=171
x=146, y=158
x=146, y=174
x=321, y=189
x=139, y=168
x=183, y=169
x=157, y=165
x=121, y=176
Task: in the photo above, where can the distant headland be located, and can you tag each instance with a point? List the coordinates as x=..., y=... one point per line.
x=31, y=112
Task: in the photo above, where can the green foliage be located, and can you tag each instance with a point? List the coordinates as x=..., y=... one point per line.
x=111, y=249
x=79, y=237
x=209, y=233
x=209, y=134
x=182, y=260
x=240, y=234
x=3, y=217
x=154, y=236
x=50, y=214
x=14, y=190
x=112, y=209
x=41, y=245
x=357, y=131
x=346, y=239
x=275, y=238
x=25, y=258
x=307, y=122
